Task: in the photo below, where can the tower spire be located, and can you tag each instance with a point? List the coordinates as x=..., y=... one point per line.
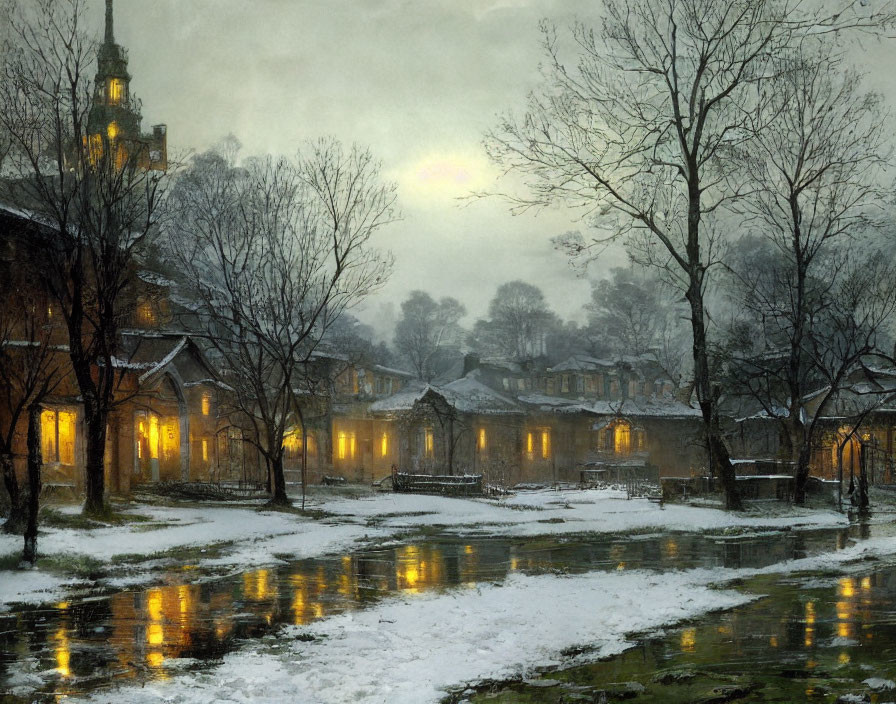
x=110, y=38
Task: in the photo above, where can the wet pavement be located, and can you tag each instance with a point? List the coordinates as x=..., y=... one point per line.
x=189, y=619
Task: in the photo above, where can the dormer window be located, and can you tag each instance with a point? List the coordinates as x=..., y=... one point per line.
x=116, y=91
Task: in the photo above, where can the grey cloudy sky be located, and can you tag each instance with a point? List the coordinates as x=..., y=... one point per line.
x=419, y=81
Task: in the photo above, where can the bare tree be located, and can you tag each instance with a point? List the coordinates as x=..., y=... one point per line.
x=815, y=171
x=91, y=189
x=428, y=332
x=639, y=134
x=518, y=323
x=31, y=367
x=273, y=252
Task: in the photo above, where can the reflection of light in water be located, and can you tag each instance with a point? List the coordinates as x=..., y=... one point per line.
x=773, y=641
x=847, y=587
x=416, y=569
x=62, y=605
x=809, y=636
x=62, y=652
x=843, y=610
x=468, y=549
x=670, y=549
x=318, y=611
x=724, y=630
x=155, y=659
x=620, y=566
x=844, y=630
x=298, y=598
x=257, y=585
x=155, y=634
x=843, y=658
x=154, y=604
x=689, y=640
x=866, y=583
x=183, y=599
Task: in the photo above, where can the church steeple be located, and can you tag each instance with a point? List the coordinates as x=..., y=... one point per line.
x=113, y=122
x=110, y=34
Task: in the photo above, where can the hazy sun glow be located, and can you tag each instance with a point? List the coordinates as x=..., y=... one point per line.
x=442, y=176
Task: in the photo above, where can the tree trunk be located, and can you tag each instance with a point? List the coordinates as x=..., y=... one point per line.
x=15, y=522
x=280, y=498
x=29, y=554
x=95, y=469
x=719, y=459
x=863, y=502
x=801, y=452
x=801, y=475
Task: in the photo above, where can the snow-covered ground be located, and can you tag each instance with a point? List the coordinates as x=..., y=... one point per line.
x=251, y=537
x=551, y=512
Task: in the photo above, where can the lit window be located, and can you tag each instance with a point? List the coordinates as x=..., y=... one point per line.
x=204, y=450
x=154, y=437
x=428, y=442
x=530, y=444
x=482, y=440
x=341, y=446
x=112, y=131
x=48, y=436
x=116, y=91
x=351, y=445
x=206, y=404
x=622, y=441
x=384, y=445
x=545, y=444
x=170, y=438
x=58, y=436
x=146, y=315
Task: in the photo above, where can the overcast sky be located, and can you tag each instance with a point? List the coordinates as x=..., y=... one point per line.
x=419, y=81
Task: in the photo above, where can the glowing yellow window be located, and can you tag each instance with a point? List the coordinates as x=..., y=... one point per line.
x=428, y=442
x=170, y=438
x=204, y=450
x=116, y=91
x=481, y=441
x=154, y=437
x=530, y=444
x=66, y=424
x=351, y=445
x=384, y=445
x=545, y=444
x=206, y=404
x=112, y=131
x=145, y=313
x=622, y=439
x=341, y=446
x=48, y=436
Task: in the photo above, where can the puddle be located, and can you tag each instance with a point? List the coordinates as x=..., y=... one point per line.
x=189, y=619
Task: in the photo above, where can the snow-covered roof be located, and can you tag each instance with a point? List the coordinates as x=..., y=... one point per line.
x=581, y=362
x=390, y=370
x=404, y=400
x=469, y=395
x=154, y=278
